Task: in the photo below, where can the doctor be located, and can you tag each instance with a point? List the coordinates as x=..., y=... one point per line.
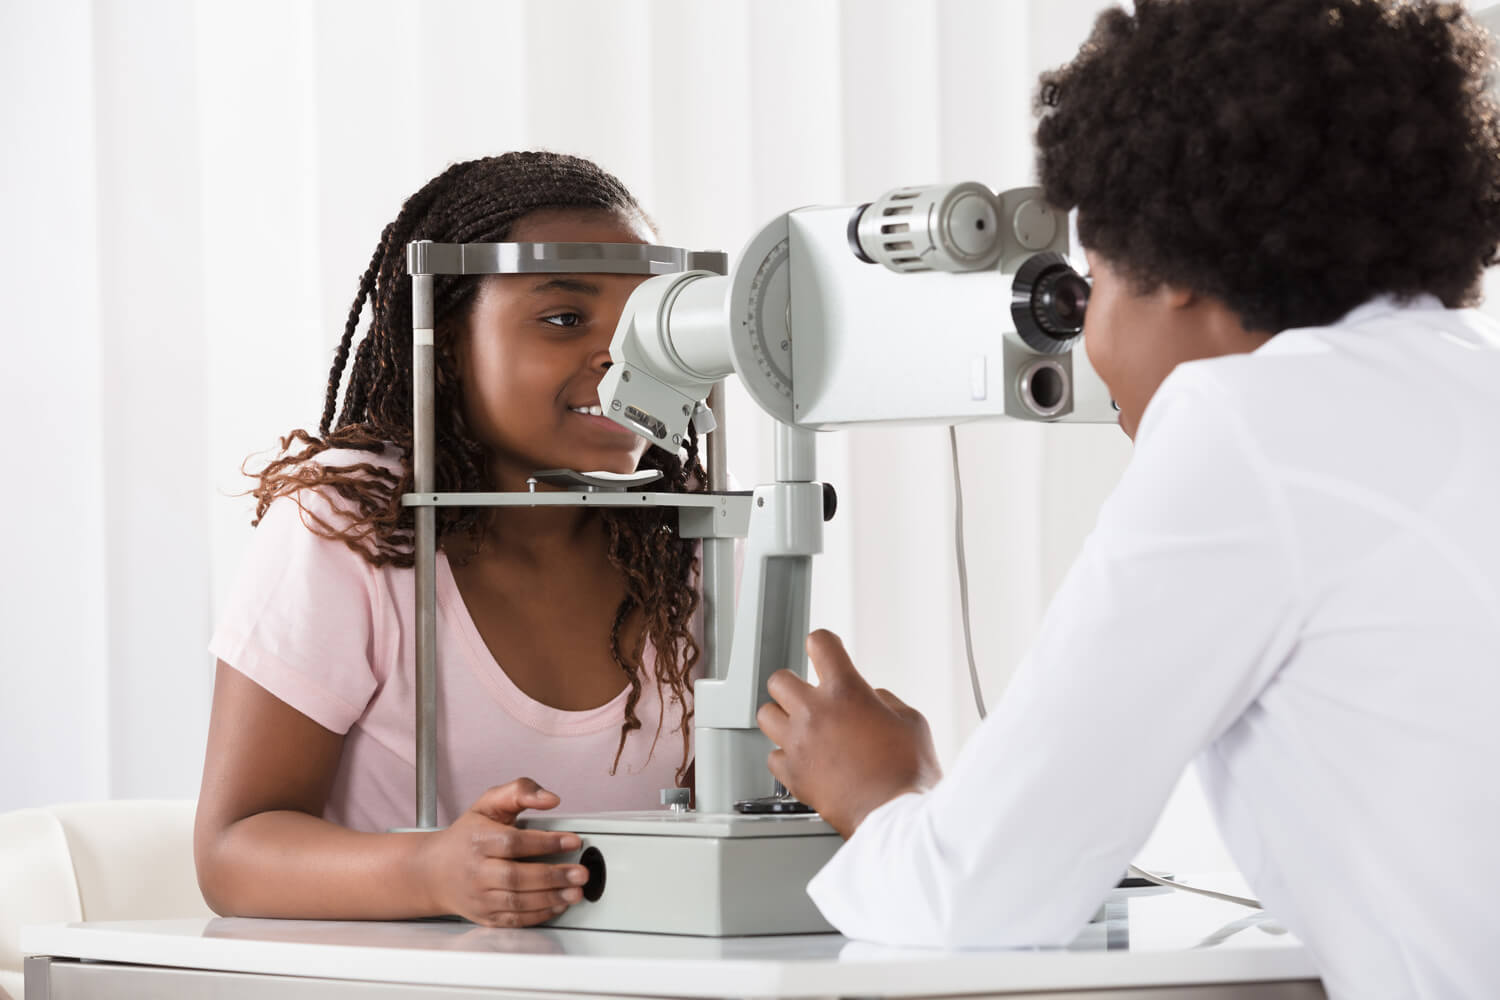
x=1287, y=207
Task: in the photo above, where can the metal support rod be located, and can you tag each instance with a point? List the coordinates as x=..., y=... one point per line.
x=770, y=628
x=718, y=470
x=796, y=454
x=424, y=478
x=718, y=555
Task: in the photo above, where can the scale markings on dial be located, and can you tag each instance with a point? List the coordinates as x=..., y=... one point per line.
x=766, y=316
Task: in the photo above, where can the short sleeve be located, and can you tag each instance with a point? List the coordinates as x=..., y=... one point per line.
x=301, y=619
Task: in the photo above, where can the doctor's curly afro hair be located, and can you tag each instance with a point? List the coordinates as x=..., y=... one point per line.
x=1292, y=158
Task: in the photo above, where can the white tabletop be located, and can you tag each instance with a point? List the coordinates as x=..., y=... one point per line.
x=1153, y=937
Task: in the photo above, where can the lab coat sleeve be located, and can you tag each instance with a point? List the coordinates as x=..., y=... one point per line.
x=1178, y=610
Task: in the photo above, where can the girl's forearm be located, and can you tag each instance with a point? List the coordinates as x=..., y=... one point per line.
x=290, y=864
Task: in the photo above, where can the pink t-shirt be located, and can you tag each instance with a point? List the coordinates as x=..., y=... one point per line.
x=332, y=636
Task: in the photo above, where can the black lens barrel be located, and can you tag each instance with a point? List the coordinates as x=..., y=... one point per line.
x=1048, y=302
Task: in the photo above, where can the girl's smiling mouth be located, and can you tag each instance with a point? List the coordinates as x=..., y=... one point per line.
x=593, y=414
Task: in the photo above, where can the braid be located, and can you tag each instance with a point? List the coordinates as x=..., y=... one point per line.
x=632, y=669
x=480, y=201
x=644, y=546
x=358, y=396
x=366, y=283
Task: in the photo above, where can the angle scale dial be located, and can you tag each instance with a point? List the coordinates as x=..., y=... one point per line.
x=760, y=320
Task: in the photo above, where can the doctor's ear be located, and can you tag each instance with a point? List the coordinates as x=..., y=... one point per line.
x=1176, y=296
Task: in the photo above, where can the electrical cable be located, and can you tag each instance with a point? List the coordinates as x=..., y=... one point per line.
x=963, y=601
x=963, y=572
x=1173, y=884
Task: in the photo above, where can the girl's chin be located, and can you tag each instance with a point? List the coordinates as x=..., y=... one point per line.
x=617, y=463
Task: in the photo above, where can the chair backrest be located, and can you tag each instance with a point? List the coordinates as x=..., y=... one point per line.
x=36, y=884
x=120, y=860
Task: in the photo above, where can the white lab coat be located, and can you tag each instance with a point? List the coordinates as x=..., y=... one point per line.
x=1298, y=580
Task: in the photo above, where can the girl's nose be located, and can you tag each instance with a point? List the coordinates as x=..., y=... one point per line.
x=600, y=360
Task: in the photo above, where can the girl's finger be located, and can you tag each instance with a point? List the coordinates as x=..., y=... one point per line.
x=530, y=876
x=522, y=918
x=509, y=842
x=498, y=900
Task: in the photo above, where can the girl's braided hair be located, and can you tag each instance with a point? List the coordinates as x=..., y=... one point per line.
x=480, y=201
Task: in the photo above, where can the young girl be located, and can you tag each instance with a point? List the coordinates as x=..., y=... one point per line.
x=566, y=646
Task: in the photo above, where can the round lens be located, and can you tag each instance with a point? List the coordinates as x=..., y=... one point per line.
x=1070, y=297
x=1048, y=299
x=1060, y=301
x=1048, y=389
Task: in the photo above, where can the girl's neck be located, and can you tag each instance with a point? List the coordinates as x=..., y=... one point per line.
x=532, y=536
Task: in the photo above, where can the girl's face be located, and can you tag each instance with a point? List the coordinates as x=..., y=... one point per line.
x=535, y=349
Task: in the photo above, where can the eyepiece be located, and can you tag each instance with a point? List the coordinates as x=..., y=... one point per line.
x=1048, y=302
x=1059, y=301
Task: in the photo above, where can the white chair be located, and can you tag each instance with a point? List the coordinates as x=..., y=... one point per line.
x=122, y=860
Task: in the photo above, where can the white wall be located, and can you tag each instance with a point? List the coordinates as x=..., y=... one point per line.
x=201, y=185
x=153, y=355
x=54, y=689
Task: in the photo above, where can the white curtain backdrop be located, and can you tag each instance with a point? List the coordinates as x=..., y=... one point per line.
x=192, y=189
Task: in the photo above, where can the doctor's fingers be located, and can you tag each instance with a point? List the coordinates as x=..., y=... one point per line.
x=831, y=660
x=893, y=703
x=774, y=722
x=790, y=691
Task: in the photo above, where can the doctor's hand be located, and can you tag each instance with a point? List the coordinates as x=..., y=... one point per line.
x=477, y=868
x=845, y=748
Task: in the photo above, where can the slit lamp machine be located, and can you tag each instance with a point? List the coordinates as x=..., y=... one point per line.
x=941, y=305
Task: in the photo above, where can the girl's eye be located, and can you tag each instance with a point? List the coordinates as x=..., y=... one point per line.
x=567, y=319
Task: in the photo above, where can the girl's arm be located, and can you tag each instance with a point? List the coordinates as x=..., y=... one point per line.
x=263, y=849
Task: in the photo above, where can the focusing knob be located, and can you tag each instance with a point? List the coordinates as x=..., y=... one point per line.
x=949, y=227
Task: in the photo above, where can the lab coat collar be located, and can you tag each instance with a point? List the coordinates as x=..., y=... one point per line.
x=1382, y=305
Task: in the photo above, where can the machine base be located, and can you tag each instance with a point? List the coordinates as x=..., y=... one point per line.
x=719, y=875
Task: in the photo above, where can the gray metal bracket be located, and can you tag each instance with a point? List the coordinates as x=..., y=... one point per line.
x=423, y=257
x=701, y=515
